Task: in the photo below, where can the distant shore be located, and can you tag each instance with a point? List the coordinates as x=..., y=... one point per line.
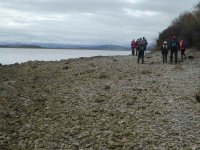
x=65, y=46
x=100, y=103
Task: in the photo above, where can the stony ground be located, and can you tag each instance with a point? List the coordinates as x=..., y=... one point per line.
x=100, y=103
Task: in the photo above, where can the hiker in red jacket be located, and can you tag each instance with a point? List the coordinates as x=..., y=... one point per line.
x=182, y=48
x=133, y=46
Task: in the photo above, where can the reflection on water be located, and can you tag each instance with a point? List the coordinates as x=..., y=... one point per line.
x=19, y=55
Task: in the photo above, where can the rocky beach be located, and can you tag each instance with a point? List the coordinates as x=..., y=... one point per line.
x=101, y=103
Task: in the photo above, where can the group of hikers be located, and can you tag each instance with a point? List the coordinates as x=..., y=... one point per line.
x=173, y=45
x=139, y=47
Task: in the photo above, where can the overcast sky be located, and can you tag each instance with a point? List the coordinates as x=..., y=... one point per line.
x=87, y=21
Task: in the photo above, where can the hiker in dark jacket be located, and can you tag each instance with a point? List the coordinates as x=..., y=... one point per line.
x=142, y=45
x=164, y=50
x=146, y=43
x=137, y=49
x=174, y=47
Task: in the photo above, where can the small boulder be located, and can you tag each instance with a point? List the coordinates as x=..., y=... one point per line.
x=65, y=67
x=107, y=87
x=102, y=76
x=130, y=103
x=149, y=57
x=115, y=59
x=33, y=66
x=99, y=100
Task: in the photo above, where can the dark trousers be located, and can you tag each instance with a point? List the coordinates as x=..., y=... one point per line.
x=137, y=51
x=133, y=51
x=173, y=53
x=141, y=56
x=164, y=57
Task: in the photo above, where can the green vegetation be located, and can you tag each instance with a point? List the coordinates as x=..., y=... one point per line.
x=186, y=26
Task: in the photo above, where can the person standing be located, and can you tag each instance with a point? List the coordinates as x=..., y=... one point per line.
x=164, y=51
x=133, y=46
x=174, y=47
x=182, y=48
x=137, y=49
x=145, y=43
x=141, y=50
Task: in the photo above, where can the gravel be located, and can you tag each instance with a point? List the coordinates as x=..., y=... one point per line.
x=100, y=103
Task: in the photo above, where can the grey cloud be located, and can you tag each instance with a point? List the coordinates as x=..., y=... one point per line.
x=87, y=21
x=62, y=6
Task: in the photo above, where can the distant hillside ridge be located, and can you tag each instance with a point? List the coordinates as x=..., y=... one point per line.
x=63, y=46
x=186, y=27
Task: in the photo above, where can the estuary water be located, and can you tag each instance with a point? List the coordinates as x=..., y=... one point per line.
x=19, y=55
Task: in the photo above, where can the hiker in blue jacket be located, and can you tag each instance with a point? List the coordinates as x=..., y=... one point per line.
x=174, y=47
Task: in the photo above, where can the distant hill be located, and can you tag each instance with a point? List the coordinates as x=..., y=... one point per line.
x=63, y=46
x=5, y=45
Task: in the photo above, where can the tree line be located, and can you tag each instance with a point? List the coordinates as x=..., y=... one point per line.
x=186, y=27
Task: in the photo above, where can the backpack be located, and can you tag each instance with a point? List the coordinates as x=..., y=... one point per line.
x=142, y=42
x=183, y=44
x=165, y=47
x=174, y=43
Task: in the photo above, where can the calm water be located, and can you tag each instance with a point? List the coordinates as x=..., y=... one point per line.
x=19, y=55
